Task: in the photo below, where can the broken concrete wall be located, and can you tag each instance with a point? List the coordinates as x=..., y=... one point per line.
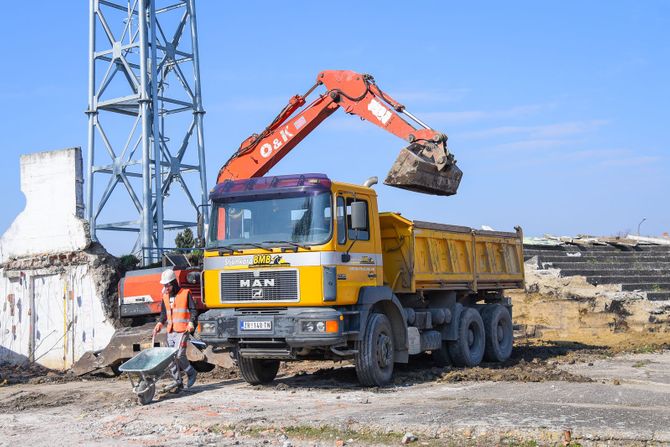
x=57, y=288
x=569, y=308
x=52, y=221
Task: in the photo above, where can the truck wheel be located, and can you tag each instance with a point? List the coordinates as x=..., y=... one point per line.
x=374, y=360
x=468, y=349
x=258, y=371
x=499, y=333
x=441, y=356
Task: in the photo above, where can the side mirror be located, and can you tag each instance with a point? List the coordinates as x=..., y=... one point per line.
x=359, y=218
x=200, y=231
x=201, y=226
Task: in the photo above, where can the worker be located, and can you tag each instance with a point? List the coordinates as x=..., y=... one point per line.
x=178, y=311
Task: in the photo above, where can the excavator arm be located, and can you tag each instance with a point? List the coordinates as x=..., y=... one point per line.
x=425, y=165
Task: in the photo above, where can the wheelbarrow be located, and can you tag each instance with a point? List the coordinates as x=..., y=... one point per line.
x=148, y=367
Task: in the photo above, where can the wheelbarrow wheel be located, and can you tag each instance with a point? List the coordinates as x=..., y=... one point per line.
x=146, y=392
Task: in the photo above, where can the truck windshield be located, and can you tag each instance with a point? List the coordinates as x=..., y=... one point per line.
x=304, y=219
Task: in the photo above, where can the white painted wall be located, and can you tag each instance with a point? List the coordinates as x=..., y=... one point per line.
x=52, y=183
x=69, y=318
x=50, y=314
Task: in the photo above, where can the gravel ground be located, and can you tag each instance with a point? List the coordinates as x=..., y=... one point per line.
x=543, y=395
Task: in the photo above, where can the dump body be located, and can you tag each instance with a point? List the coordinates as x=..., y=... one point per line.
x=424, y=256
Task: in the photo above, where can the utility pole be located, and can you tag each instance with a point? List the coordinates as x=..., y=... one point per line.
x=145, y=120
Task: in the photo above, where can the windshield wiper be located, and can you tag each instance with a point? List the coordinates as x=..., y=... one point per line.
x=293, y=244
x=250, y=244
x=225, y=248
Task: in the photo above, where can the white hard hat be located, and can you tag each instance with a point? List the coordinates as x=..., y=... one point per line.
x=168, y=276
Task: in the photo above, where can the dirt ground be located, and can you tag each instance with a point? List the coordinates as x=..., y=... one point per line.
x=545, y=394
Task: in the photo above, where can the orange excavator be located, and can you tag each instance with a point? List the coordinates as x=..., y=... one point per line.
x=425, y=165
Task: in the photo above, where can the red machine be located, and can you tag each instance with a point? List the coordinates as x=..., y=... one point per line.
x=425, y=165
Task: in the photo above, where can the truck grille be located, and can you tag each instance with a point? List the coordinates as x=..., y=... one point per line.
x=259, y=285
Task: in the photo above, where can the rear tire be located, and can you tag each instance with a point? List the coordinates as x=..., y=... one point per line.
x=146, y=396
x=499, y=333
x=258, y=371
x=468, y=349
x=441, y=356
x=374, y=360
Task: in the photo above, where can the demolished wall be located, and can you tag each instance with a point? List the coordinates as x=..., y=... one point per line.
x=57, y=288
x=559, y=306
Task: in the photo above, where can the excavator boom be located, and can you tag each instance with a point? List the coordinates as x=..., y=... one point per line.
x=425, y=165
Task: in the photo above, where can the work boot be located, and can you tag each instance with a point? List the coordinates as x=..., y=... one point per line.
x=191, y=379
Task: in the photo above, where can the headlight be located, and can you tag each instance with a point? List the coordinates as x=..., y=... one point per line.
x=320, y=326
x=207, y=328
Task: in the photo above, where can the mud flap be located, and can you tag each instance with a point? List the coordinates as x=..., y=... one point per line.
x=415, y=172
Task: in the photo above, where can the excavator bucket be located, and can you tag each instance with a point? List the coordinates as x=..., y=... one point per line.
x=128, y=342
x=417, y=173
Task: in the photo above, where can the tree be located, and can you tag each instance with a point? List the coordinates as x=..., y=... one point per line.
x=185, y=239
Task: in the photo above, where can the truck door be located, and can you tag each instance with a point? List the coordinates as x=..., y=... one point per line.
x=363, y=267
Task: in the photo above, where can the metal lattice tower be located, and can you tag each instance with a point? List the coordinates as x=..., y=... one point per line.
x=144, y=79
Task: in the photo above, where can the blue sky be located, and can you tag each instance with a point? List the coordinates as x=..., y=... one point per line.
x=557, y=111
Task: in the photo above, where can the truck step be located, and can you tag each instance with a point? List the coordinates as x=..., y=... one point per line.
x=260, y=353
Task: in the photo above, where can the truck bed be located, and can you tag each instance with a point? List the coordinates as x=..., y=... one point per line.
x=430, y=256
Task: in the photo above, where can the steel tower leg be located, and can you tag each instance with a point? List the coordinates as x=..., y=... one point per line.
x=144, y=107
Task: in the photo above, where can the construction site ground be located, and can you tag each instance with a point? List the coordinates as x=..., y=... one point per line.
x=545, y=394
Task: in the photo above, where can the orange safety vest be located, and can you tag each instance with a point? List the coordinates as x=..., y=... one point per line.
x=178, y=315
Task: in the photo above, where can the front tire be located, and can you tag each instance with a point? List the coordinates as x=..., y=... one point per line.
x=258, y=371
x=375, y=357
x=468, y=349
x=499, y=333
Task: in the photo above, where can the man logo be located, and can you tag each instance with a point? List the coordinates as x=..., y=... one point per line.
x=257, y=293
x=267, y=282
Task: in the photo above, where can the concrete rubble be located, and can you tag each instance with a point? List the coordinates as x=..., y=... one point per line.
x=57, y=287
x=595, y=290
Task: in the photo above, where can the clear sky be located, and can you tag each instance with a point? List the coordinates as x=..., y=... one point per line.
x=557, y=111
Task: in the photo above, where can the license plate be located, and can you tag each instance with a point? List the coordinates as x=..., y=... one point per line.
x=265, y=325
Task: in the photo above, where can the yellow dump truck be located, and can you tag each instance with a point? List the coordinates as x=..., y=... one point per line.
x=302, y=267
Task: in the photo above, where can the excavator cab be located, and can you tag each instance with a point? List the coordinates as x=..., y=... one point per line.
x=414, y=171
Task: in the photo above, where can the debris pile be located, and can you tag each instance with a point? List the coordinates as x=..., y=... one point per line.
x=596, y=290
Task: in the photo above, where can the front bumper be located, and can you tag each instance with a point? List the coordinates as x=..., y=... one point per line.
x=285, y=326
